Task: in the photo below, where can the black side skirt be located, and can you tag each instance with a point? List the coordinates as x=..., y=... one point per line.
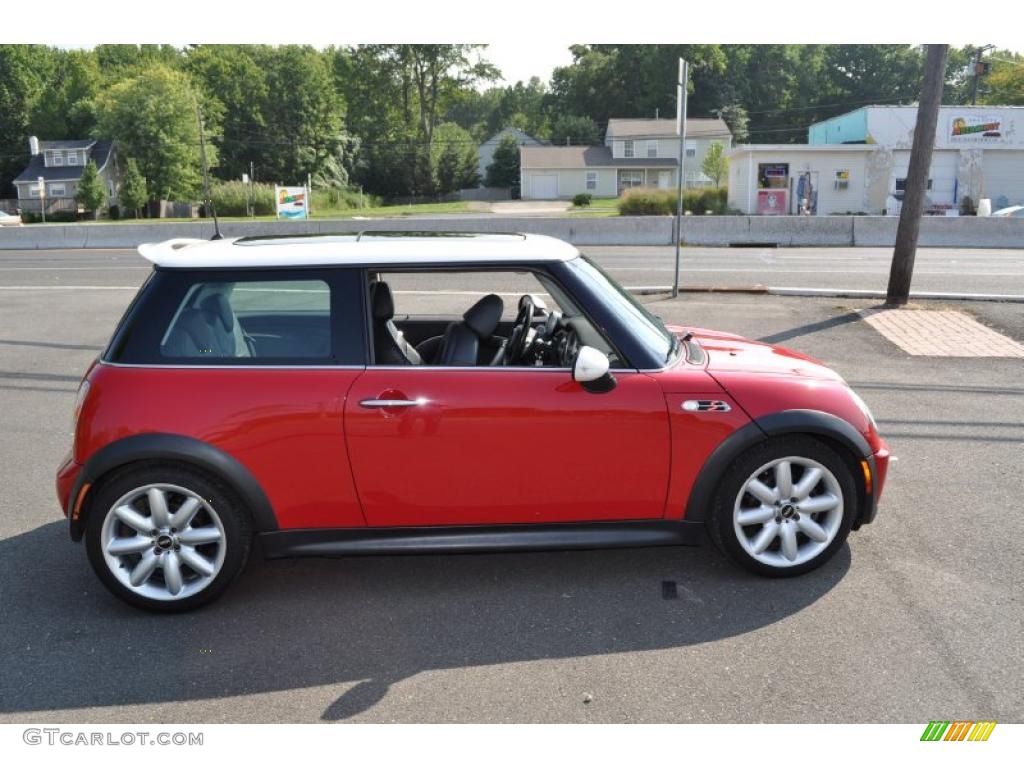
x=340, y=542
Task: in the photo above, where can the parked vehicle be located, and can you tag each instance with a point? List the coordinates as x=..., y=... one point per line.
x=9, y=220
x=1014, y=211
x=329, y=395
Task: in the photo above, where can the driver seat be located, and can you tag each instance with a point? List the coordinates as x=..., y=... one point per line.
x=461, y=342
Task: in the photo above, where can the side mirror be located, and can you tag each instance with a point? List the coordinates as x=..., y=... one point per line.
x=590, y=369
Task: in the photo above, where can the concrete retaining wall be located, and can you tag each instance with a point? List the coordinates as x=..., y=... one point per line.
x=967, y=232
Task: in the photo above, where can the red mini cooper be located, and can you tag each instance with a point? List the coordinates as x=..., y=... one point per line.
x=388, y=393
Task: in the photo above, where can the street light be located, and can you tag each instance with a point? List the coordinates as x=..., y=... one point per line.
x=42, y=196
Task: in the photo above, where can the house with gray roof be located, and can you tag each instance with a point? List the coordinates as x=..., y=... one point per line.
x=636, y=153
x=60, y=164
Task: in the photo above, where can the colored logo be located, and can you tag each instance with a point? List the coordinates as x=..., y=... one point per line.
x=959, y=730
x=967, y=127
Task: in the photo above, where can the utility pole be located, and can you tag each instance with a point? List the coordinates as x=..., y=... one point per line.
x=979, y=70
x=902, y=270
x=684, y=76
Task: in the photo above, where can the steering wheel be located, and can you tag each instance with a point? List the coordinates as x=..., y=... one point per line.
x=519, y=344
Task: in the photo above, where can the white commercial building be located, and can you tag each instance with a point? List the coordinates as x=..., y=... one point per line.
x=857, y=163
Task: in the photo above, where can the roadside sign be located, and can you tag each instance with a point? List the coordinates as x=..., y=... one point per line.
x=291, y=202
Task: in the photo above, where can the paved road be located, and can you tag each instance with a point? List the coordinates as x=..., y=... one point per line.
x=937, y=269
x=919, y=617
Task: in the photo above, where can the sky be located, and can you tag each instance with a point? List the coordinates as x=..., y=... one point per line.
x=514, y=65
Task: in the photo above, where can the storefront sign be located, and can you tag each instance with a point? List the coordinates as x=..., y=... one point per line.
x=975, y=128
x=291, y=202
x=771, y=202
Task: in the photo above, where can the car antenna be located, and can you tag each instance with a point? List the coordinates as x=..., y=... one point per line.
x=206, y=176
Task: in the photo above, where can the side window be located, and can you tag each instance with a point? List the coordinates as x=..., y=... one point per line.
x=245, y=317
x=252, y=319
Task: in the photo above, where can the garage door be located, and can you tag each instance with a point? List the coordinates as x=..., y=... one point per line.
x=544, y=187
x=1004, y=177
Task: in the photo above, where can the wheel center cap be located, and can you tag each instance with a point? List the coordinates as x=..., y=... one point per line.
x=164, y=541
x=787, y=511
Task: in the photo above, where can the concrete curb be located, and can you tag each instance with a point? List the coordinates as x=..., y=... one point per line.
x=834, y=293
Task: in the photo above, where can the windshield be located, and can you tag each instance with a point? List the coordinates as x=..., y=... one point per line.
x=647, y=328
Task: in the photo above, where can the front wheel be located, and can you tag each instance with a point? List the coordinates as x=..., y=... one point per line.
x=784, y=507
x=166, y=538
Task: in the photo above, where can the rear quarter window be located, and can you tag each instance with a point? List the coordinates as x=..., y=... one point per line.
x=222, y=317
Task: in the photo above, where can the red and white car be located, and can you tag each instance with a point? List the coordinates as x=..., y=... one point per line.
x=322, y=395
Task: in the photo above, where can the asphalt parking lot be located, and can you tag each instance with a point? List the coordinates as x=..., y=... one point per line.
x=919, y=617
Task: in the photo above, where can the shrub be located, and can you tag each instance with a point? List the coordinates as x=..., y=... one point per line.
x=662, y=202
x=582, y=200
x=229, y=198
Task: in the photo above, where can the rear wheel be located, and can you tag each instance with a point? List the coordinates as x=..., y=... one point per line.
x=166, y=538
x=784, y=507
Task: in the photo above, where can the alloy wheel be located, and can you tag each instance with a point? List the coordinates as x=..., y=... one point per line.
x=788, y=511
x=163, y=542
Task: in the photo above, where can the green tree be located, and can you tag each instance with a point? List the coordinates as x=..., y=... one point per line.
x=23, y=73
x=133, y=195
x=735, y=116
x=1005, y=85
x=153, y=118
x=504, y=169
x=575, y=129
x=715, y=164
x=454, y=158
x=90, y=192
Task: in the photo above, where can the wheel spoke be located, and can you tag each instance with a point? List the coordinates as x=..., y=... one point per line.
x=196, y=536
x=128, y=546
x=145, y=568
x=811, y=528
x=810, y=479
x=784, y=479
x=765, y=537
x=761, y=514
x=133, y=519
x=158, y=507
x=823, y=503
x=195, y=561
x=789, y=546
x=172, y=572
x=762, y=492
x=183, y=517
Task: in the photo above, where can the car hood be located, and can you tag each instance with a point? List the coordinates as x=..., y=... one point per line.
x=729, y=353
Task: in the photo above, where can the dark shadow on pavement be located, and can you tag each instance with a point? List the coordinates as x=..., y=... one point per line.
x=361, y=624
x=805, y=330
x=50, y=345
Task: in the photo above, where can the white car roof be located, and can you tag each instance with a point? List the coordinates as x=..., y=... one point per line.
x=366, y=248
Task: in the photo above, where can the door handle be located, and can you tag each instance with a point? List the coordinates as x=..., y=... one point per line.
x=391, y=403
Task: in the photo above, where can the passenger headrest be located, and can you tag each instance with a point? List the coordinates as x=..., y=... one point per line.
x=484, y=316
x=218, y=306
x=382, y=303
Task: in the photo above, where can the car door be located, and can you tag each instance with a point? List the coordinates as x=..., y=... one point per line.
x=486, y=446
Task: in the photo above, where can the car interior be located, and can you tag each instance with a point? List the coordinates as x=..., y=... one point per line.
x=483, y=336
x=229, y=320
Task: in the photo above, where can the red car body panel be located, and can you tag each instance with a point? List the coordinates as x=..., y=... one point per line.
x=284, y=425
x=491, y=447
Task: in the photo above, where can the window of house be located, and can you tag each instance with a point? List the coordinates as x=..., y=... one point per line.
x=591, y=181
x=691, y=148
x=901, y=184
x=56, y=159
x=627, y=148
x=33, y=190
x=652, y=148
x=57, y=190
x=72, y=158
x=630, y=179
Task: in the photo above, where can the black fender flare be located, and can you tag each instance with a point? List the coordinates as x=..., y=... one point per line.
x=797, y=421
x=157, y=446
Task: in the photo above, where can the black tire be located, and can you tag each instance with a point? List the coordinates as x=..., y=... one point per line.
x=235, y=521
x=720, y=518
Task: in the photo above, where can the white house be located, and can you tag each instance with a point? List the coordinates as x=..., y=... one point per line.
x=636, y=153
